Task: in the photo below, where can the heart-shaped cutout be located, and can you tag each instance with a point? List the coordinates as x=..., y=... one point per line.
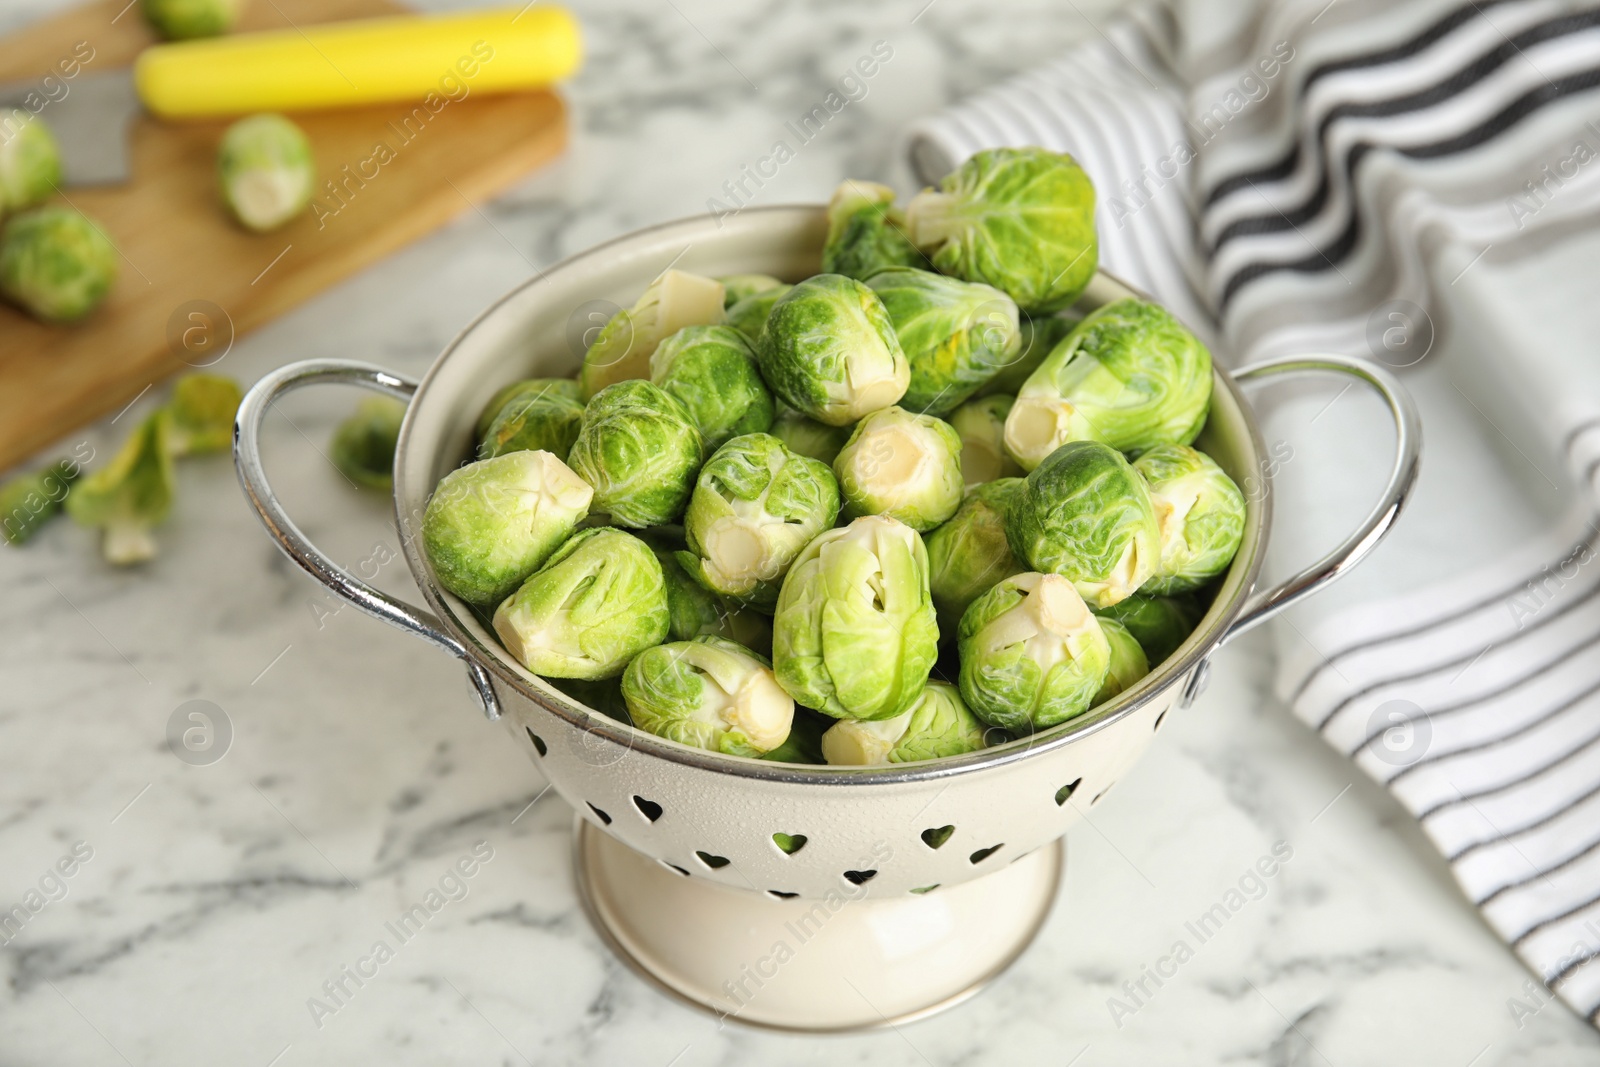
x=859, y=877
x=984, y=853
x=1067, y=790
x=711, y=861
x=648, y=808
x=937, y=836
x=789, y=843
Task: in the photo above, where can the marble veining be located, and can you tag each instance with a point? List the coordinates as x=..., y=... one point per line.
x=221, y=901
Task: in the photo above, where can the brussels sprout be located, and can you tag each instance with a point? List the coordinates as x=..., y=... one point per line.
x=30, y=161
x=982, y=426
x=202, y=409
x=755, y=506
x=956, y=335
x=1036, y=339
x=1084, y=513
x=937, y=725
x=492, y=523
x=866, y=233
x=804, y=743
x=854, y=636
x=1159, y=623
x=708, y=693
x=696, y=611
x=598, y=694
x=131, y=495
x=28, y=501
x=749, y=316
x=735, y=287
x=543, y=414
x=622, y=349
x=902, y=465
x=640, y=450
x=178, y=20
x=266, y=171
x=712, y=372
x=1130, y=375
x=969, y=554
x=1032, y=654
x=1200, y=513
x=1128, y=661
x=540, y=387
x=362, y=447
x=56, y=264
x=808, y=437
x=593, y=606
x=1019, y=219
x=829, y=351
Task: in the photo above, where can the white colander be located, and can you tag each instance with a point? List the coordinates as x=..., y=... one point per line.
x=871, y=838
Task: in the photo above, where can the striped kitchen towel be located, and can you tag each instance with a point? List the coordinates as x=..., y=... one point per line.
x=1416, y=183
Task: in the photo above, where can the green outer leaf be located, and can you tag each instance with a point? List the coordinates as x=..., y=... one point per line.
x=735, y=287
x=491, y=524
x=941, y=725
x=756, y=484
x=711, y=370
x=854, y=635
x=1037, y=337
x=969, y=554
x=640, y=450
x=1134, y=376
x=866, y=233
x=543, y=414
x=30, y=161
x=982, y=424
x=567, y=387
x=823, y=339
x=679, y=691
x=1080, y=512
x=1019, y=219
x=1201, y=546
x=956, y=335
x=1017, y=676
x=1128, y=661
x=596, y=603
x=56, y=264
x=873, y=484
x=749, y=316
x=1159, y=623
x=808, y=437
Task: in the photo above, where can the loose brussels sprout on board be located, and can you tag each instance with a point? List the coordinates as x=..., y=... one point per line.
x=56, y=264
x=544, y=414
x=956, y=335
x=1019, y=219
x=735, y=287
x=566, y=387
x=491, y=524
x=1200, y=513
x=969, y=554
x=363, y=444
x=28, y=501
x=854, y=635
x=179, y=20
x=808, y=437
x=639, y=448
x=1129, y=374
x=902, y=465
x=266, y=171
x=711, y=370
x=1084, y=513
x=1032, y=654
x=1128, y=661
x=30, y=161
x=937, y=725
x=1037, y=338
x=756, y=505
x=982, y=426
x=593, y=606
x=829, y=351
x=622, y=349
x=131, y=495
x=749, y=316
x=202, y=409
x=866, y=233
x=1159, y=623
x=708, y=693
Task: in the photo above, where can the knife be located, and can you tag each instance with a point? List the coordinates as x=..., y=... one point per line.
x=401, y=58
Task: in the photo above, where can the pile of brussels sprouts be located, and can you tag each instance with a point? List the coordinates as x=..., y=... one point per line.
x=901, y=510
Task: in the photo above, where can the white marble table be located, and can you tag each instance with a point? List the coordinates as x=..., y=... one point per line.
x=217, y=900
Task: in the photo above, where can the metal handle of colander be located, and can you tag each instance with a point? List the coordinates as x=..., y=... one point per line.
x=1264, y=604
x=253, y=478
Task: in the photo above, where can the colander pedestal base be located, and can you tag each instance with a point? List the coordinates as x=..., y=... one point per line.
x=796, y=964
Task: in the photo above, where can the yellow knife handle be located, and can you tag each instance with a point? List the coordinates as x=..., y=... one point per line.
x=400, y=58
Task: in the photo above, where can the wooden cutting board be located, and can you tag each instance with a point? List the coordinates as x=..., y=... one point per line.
x=191, y=279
